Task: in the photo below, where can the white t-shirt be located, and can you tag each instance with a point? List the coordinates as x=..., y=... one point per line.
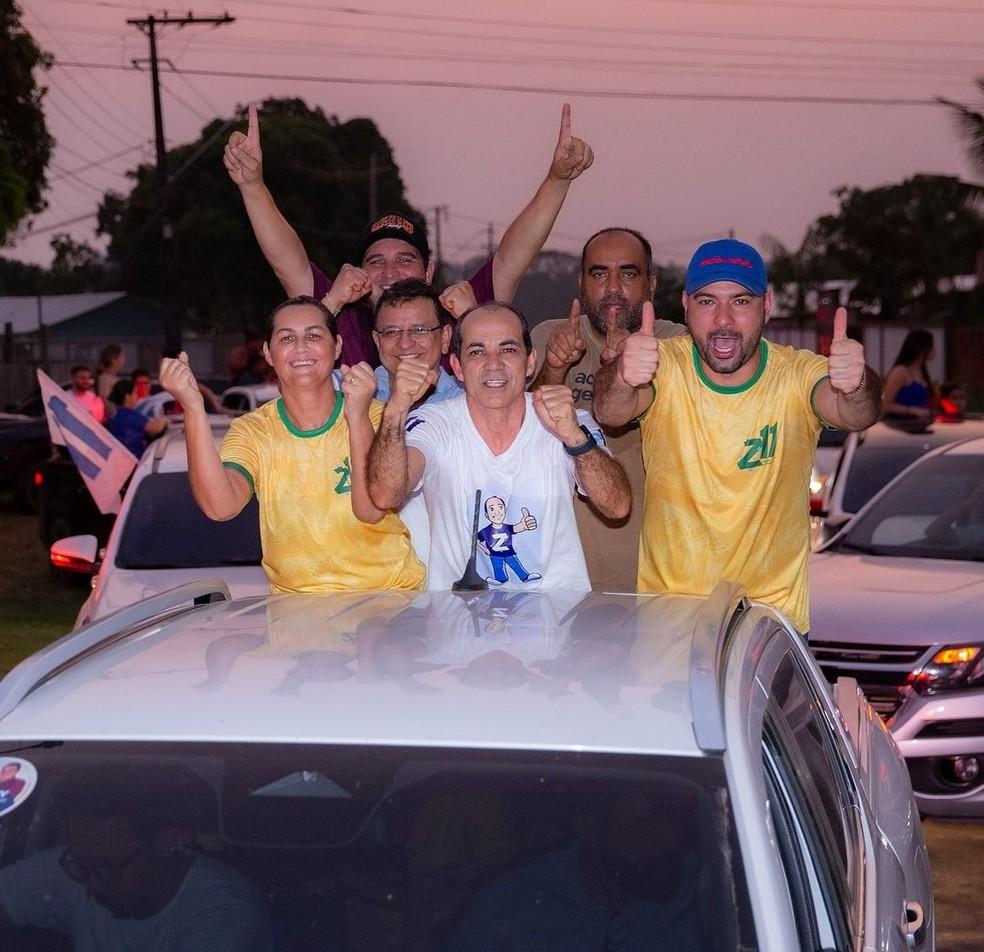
x=535, y=544
x=214, y=910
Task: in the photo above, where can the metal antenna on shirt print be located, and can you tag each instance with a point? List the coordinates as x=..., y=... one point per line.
x=471, y=581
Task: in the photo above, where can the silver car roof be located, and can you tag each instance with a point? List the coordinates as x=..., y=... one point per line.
x=495, y=669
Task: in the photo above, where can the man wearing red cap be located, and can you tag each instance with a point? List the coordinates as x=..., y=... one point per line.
x=394, y=246
x=729, y=427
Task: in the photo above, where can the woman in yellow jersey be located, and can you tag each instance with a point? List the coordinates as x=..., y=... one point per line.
x=304, y=457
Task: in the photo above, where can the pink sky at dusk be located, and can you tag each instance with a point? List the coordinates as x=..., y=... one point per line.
x=655, y=86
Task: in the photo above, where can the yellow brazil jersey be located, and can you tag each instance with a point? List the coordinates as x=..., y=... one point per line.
x=311, y=539
x=727, y=477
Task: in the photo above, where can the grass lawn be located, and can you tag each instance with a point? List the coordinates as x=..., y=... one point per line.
x=35, y=608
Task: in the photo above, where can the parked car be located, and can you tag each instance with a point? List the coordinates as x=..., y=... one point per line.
x=896, y=596
x=475, y=771
x=161, y=538
x=872, y=457
x=234, y=400
x=24, y=446
x=941, y=736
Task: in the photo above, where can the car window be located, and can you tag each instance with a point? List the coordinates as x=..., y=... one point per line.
x=815, y=805
x=165, y=529
x=874, y=467
x=934, y=511
x=236, y=401
x=382, y=848
x=832, y=437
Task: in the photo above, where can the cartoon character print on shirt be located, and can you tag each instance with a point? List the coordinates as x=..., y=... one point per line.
x=496, y=541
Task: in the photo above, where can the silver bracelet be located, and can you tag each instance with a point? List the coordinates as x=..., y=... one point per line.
x=861, y=383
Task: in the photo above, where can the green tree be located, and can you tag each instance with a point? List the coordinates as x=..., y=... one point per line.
x=317, y=168
x=25, y=146
x=970, y=123
x=901, y=242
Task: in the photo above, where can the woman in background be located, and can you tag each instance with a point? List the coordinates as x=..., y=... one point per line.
x=908, y=390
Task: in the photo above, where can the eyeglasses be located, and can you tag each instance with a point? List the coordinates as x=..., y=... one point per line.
x=102, y=871
x=419, y=332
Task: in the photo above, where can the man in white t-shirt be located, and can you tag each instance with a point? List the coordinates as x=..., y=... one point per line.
x=521, y=453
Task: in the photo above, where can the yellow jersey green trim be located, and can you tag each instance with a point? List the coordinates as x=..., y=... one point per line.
x=813, y=406
x=308, y=434
x=243, y=471
x=741, y=388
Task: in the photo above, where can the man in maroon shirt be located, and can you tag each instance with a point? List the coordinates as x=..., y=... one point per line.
x=395, y=246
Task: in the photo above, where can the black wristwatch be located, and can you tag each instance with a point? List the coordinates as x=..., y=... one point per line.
x=586, y=447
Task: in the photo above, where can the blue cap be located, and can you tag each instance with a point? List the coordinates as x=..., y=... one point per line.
x=727, y=259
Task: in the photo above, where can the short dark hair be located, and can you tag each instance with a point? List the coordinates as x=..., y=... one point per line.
x=77, y=369
x=647, y=249
x=301, y=300
x=411, y=289
x=108, y=354
x=496, y=306
x=121, y=390
x=139, y=372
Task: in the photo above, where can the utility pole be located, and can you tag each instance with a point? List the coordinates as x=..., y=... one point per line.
x=149, y=25
x=440, y=211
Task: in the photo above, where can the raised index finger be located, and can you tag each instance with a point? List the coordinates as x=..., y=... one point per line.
x=565, y=122
x=253, y=131
x=575, y=316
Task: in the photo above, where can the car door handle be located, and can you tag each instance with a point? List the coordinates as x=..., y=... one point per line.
x=915, y=921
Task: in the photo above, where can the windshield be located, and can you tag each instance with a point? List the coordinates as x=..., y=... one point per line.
x=303, y=847
x=934, y=511
x=874, y=467
x=165, y=529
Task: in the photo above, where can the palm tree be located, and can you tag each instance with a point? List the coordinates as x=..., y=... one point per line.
x=970, y=122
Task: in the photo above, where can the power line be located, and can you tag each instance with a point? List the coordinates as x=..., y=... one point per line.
x=822, y=5
x=95, y=163
x=547, y=90
x=840, y=40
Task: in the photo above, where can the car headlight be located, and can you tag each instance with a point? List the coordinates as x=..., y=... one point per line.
x=955, y=666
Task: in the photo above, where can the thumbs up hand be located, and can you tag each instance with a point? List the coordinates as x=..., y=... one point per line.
x=845, y=365
x=639, y=357
x=528, y=521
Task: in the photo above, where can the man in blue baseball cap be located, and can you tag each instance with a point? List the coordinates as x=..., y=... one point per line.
x=729, y=426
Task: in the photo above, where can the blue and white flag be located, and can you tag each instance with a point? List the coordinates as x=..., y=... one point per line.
x=103, y=461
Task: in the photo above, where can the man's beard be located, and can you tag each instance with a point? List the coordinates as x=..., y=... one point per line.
x=747, y=349
x=629, y=319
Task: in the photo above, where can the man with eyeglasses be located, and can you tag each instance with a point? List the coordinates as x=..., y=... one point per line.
x=123, y=880
x=411, y=323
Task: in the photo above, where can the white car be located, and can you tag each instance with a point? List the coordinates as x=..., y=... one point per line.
x=234, y=400
x=458, y=771
x=941, y=736
x=896, y=597
x=871, y=458
x=161, y=538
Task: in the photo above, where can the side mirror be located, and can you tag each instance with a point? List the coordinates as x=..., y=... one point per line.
x=76, y=554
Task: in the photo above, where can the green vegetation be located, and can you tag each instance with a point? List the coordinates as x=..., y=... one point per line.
x=35, y=608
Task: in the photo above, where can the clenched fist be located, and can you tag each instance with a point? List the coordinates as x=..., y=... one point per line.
x=554, y=405
x=177, y=379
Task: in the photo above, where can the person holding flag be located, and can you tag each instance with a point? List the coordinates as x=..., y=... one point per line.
x=729, y=425
x=103, y=462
